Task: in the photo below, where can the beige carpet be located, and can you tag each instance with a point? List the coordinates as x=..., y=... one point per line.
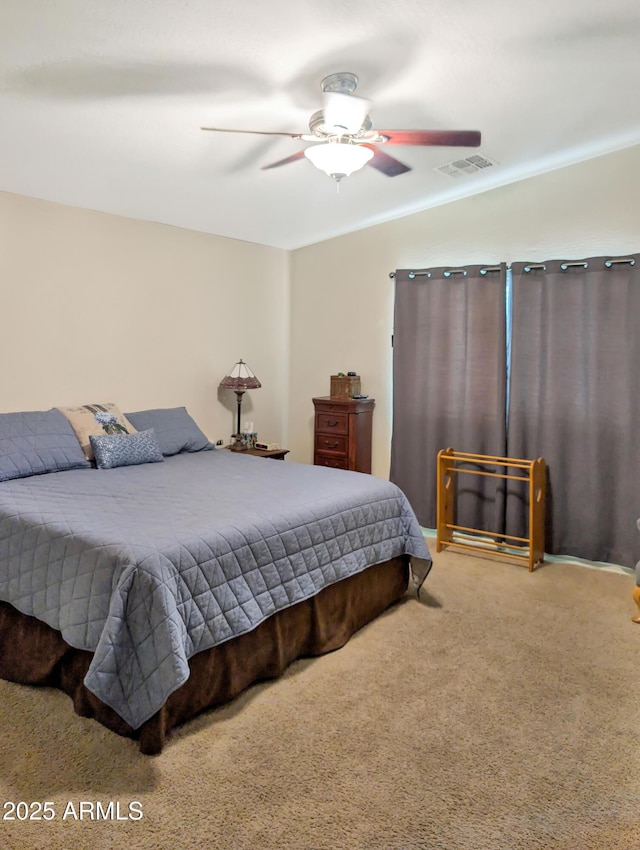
x=500, y=712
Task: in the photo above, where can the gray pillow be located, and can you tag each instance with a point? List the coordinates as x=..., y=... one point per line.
x=175, y=429
x=113, y=450
x=38, y=441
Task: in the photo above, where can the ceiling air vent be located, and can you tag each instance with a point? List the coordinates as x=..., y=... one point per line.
x=469, y=165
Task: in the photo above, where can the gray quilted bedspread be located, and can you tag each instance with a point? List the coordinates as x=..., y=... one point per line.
x=148, y=565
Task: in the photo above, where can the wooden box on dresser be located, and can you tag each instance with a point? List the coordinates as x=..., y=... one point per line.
x=343, y=432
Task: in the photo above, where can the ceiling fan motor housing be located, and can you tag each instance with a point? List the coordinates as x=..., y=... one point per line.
x=343, y=82
x=318, y=128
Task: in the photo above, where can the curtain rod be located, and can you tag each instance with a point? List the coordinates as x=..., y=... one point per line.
x=447, y=272
x=630, y=260
x=564, y=267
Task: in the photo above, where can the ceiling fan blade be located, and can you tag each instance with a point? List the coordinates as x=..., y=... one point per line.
x=285, y=161
x=345, y=113
x=253, y=132
x=451, y=138
x=387, y=164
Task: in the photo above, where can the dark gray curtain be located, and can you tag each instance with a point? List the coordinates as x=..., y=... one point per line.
x=575, y=401
x=449, y=385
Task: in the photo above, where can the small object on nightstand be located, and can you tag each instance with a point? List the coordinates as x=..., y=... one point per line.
x=248, y=436
x=274, y=454
x=237, y=445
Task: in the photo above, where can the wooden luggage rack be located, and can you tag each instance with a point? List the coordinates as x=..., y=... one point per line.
x=529, y=550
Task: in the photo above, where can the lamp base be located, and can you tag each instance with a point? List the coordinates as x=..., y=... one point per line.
x=237, y=445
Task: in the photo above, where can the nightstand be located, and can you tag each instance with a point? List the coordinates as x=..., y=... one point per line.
x=274, y=454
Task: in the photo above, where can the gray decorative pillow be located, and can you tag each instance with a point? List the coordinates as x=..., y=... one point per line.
x=175, y=429
x=125, y=449
x=35, y=442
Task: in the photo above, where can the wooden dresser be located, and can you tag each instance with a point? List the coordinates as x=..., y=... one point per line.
x=343, y=433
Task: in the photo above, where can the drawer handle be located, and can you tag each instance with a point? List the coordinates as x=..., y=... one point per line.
x=331, y=445
x=332, y=423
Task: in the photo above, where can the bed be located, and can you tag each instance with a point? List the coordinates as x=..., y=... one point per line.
x=152, y=591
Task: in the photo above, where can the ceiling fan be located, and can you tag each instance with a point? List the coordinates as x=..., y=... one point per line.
x=345, y=139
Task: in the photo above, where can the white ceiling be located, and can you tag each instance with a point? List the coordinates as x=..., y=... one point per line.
x=101, y=102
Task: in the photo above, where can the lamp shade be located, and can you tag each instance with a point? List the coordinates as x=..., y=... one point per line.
x=338, y=159
x=240, y=378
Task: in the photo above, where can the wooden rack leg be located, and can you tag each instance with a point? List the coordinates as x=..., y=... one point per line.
x=537, y=488
x=636, y=599
x=445, y=498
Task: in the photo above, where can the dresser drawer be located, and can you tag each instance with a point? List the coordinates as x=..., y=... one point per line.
x=332, y=423
x=334, y=443
x=334, y=461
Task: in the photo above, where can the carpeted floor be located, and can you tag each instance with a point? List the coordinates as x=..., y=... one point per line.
x=500, y=712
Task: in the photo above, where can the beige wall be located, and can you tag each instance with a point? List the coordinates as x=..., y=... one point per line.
x=342, y=298
x=95, y=307
x=98, y=307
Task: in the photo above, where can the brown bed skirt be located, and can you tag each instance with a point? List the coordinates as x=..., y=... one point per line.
x=33, y=653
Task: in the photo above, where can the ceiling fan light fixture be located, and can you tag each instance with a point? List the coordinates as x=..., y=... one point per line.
x=338, y=159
